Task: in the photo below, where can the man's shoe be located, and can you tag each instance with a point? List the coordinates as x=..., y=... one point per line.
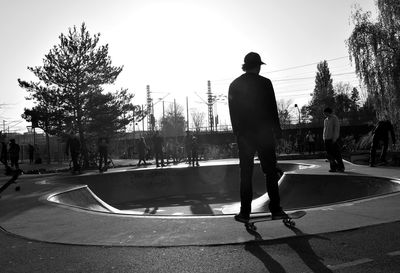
x=242, y=217
x=371, y=164
x=332, y=170
x=279, y=215
x=340, y=170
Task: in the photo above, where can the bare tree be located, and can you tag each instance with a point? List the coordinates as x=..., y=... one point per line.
x=198, y=118
x=284, y=111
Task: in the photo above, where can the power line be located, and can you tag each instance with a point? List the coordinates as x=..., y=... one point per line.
x=308, y=78
x=304, y=65
x=285, y=69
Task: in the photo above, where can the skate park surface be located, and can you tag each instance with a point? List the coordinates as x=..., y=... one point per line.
x=185, y=206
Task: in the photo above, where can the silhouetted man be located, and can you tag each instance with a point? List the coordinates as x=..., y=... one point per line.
x=13, y=151
x=255, y=122
x=195, y=151
x=142, y=148
x=73, y=147
x=103, y=153
x=158, y=143
x=381, y=133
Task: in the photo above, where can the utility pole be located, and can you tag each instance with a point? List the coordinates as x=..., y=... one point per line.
x=210, y=103
x=187, y=114
x=149, y=109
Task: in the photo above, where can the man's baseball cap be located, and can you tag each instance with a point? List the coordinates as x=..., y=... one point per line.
x=252, y=60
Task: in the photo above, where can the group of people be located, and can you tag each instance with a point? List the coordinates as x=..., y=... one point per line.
x=255, y=122
x=169, y=149
x=380, y=135
x=10, y=152
x=73, y=148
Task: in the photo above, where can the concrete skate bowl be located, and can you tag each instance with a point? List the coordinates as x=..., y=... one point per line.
x=211, y=190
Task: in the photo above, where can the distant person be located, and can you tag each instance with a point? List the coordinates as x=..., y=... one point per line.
x=255, y=123
x=31, y=152
x=4, y=154
x=158, y=149
x=381, y=134
x=103, y=153
x=195, y=151
x=13, y=152
x=310, y=138
x=142, y=148
x=73, y=147
x=330, y=136
x=188, y=147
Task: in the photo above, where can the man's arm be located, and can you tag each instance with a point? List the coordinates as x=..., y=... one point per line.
x=276, y=125
x=233, y=110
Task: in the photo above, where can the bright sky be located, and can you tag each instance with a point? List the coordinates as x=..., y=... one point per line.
x=176, y=46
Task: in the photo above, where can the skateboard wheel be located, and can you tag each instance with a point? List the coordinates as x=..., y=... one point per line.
x=17, y=188
x=251, y=226
x=289, y=222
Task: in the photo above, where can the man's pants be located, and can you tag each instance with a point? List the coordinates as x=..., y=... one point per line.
x=159, y=156
x=248, y=146
x=103, y=156
x=75, y=165
x=14, y=162
x=333, y=154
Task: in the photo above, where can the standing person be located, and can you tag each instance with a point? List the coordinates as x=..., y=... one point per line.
x=158, y=149
x=103, y=153
x=330, y=136
x=310, y=138
x=74, y=147
x=13, y=151
x=255, y=123
x=381, y=133
x=142, y=147
x=188, y=147
x=4, y=154
x=195, y=151
x=31, y=151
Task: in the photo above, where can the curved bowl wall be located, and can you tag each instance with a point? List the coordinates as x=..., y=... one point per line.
x=212, y=190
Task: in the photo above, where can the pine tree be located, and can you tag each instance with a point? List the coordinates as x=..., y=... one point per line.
x=323, y=95
x=69, y=86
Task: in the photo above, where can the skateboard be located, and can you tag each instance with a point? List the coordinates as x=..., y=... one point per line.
x=250, y=224
x=13, y=180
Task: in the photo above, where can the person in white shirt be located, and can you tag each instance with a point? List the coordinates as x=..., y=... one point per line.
x=330, y=136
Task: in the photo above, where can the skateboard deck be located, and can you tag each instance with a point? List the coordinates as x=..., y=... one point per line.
x=250, y=224
x=13, y=180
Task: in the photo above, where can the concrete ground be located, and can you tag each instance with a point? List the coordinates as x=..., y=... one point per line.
x=354, y=236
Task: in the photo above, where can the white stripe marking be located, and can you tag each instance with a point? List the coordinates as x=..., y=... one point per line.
x=349, y=264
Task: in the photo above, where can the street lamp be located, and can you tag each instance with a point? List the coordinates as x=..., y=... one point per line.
x=299, y=139
x=296, y=106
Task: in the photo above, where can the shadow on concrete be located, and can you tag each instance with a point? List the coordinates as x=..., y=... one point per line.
x=270, y=264
x=300, y=244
